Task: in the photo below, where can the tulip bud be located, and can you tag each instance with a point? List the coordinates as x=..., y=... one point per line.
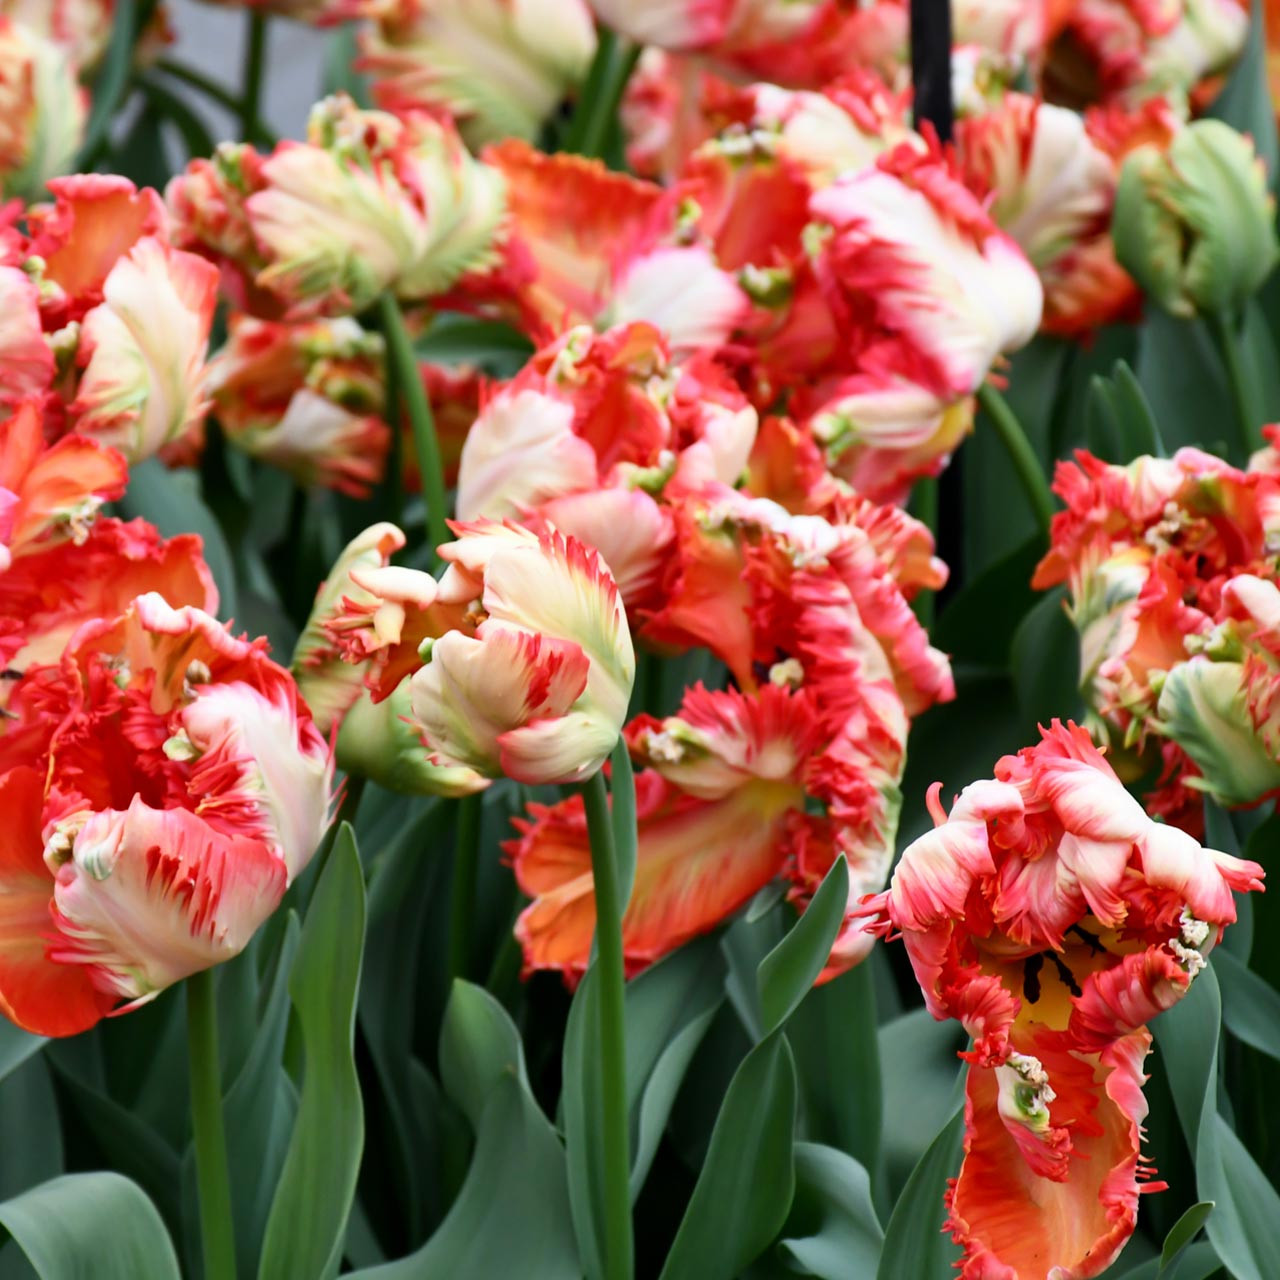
x=1195, y=225
x=42, y=110
x=378, y=741
x=1204, y=708
x=329, y=684
x=540, y=691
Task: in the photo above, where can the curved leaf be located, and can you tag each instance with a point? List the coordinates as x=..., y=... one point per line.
x=1241, y=1227
x=90, y=1226
x=1183, y=1232
x=479, y=1044
x=744, y=1191
x=914, y=1243
x=1250, y=1006
x=833, y=1192
x=308, y=1217
x=788, y=972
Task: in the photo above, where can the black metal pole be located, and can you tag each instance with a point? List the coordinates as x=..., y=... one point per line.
x=931, y=64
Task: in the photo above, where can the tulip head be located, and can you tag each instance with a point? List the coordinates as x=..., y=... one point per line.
x=540, y=691
x=1195, y=225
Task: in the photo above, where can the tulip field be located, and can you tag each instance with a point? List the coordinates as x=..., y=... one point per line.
x=644, y=647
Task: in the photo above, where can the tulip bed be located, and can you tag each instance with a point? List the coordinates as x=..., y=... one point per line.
x=644, y=652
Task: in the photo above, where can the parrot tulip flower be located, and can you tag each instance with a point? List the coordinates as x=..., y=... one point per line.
x=370, y=202
x=721, y=811
x=540, y=691
x=1053, y=919
x=183, y=787
x=499, y=68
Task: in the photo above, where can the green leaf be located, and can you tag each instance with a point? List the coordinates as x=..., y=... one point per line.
x=171, y=500
x=980, y=621
x=259, y=1112
x=512, y=1216
x=914, y=1244
x=622, y=816
x=1119, y=420
x=90, y=1226
x=308, y=1217
x=31, y=1151
x=1182, y=378
x=1250, y=1007
x=1199, y=1262
x=788, y=972
x=1241, y=1227
x=744, y=1191
x=1183, y=1232
x=16, y=1046
x=110, y=86
x=1046, y=664
x=833, y=1193
x=478, y=1045
x=668, y=1010
x=833, y=1038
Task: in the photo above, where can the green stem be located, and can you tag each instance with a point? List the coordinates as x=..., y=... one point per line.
x=402, y=368
x=462, y=900
x=1021, y=454
x=597, y=107
x=258, y=132
x=1248, y=416
x=610, y=979
x=255, y=56
x=213, y=1182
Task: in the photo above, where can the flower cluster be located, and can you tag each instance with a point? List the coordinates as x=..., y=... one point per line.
x=103, y=319
x=1171, y=570
x=162, y=781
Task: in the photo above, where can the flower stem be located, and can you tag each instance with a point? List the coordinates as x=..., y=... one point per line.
x=255, y=56
x=402, y=369
x=610, y=980
x=462, y=900
x=1021, y=454
x=606, y=82
x=1248, y=415
x=217, y=1231
x=256, y=130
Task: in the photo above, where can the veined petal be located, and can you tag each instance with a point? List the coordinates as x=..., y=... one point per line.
x=37, y=993
x=151, y=896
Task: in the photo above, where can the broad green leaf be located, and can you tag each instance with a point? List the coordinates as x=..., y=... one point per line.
x=110, y=86
x=478, y=1045
x=90, y=1226
x=259, y=1112
x=456, y=339
x=171, y=500
x=979, y=623
x=833, y=1199
x=622, y=817
x=31, y=1148
x=669, y=1008
x=788, y=972
x=833, y=1038
x=127, y=1143
x=16, y=1046
x=1182, y=378
x=914, y=1244
x=1250, y=1007
x=1046, y=664
x=1119, y=420
x=308, y=1217
x=1199, y=1262
x=511, y=1217
x=743, y=1193
x=744, y=945
x=1183, y=1232
x=1246, y=1206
